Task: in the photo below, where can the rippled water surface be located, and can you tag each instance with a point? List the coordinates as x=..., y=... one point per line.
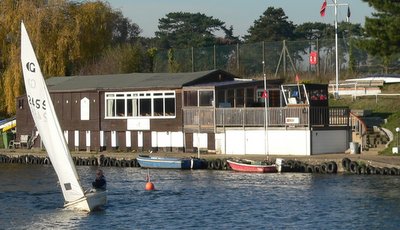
x=30, y=198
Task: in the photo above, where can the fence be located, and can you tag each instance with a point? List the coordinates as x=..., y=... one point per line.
x=281, y=58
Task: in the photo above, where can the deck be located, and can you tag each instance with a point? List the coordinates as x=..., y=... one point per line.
x=209, y=119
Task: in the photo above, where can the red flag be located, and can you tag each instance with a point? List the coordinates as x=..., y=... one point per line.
x=323, y=8
x=297, y=78
x=264, y=94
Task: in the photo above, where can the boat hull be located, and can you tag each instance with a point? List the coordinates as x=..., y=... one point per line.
x=170, y=162
x=256, y=168
x=92, y=200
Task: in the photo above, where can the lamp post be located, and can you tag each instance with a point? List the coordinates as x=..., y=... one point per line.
x=397, y=144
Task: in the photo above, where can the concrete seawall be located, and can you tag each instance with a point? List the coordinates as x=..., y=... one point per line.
x=296, y=163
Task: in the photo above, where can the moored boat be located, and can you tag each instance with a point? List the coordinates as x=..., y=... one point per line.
x=170, y=162
x=244, y=165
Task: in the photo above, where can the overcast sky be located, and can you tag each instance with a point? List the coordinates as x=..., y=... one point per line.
x=241, y=14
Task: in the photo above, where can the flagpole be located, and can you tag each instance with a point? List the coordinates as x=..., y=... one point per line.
x=335, y=4
x=337, y=54
x=265, y=110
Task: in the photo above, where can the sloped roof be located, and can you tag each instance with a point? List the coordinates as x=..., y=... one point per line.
x=135, y=80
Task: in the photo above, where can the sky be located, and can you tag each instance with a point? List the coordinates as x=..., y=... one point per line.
x=240, y=14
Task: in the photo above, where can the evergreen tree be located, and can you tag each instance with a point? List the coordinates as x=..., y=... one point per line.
x=382, y=30
x=183, y=30
x=273, y=25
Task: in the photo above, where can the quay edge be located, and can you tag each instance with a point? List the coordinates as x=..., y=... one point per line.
x=367, y=159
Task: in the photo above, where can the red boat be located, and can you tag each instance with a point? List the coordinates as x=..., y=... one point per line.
x=244, y=165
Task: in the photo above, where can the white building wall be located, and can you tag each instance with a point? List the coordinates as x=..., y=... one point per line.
x=167, y=139
x=255, y=141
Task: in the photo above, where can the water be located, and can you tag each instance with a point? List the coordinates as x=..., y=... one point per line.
x=202, y=199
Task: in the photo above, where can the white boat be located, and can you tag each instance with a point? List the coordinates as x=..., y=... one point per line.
x=47, y=123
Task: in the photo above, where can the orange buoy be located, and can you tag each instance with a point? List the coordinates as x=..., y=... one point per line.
x=149, y=186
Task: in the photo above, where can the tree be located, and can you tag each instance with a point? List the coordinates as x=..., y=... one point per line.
x=183, y=30
x=314, y=30
x=382, y=31
x=124, y=58
x=273, y=25
x=66, y=35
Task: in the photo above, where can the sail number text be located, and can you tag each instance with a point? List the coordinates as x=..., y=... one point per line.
x=37, y=103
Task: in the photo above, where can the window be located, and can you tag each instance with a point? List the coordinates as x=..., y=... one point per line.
x=190, y=98
x=230, y=97
x=249, y=97
x=206, y=98
x=158, y=104
x=239, y=97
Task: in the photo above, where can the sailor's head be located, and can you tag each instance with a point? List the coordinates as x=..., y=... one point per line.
x=99, y=172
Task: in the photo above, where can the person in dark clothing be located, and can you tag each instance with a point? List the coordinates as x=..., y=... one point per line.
x=100, y=181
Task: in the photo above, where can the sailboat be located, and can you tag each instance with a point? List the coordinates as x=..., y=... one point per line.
x=47, y=123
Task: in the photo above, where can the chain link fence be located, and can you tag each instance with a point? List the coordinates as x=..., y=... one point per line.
x=282, y=59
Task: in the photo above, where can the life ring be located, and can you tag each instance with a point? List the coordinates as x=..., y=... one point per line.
x=346, y=164
x=332, y=167
x=353, y=166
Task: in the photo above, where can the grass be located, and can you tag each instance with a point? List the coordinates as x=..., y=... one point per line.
x=386, y=107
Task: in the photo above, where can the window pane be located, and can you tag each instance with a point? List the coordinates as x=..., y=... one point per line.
x=239, y=97
x=220, y=97
x=249, y=97
x=169, y=106
x=206, y=98
x=190, y=98
x=230, y=97
x=132, y=108
x=145, y=107
x=158, y=107
x=110, y=108
x=120, y=107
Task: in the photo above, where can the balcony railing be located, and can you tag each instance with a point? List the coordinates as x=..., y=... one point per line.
x=212, y=118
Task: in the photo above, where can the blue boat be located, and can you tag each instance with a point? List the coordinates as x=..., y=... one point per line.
x=170, y=162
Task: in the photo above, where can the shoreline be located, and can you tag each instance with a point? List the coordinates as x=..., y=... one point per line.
x=369, y=158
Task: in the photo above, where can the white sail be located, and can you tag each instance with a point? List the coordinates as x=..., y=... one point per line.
x=46, y=121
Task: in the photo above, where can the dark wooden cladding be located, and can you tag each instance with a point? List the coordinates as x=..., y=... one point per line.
x=147, y=141
x=189, y=142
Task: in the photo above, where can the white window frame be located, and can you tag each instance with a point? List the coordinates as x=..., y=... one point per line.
x=111, y=99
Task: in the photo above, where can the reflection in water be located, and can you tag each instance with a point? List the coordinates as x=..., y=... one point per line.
x=31, y=199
